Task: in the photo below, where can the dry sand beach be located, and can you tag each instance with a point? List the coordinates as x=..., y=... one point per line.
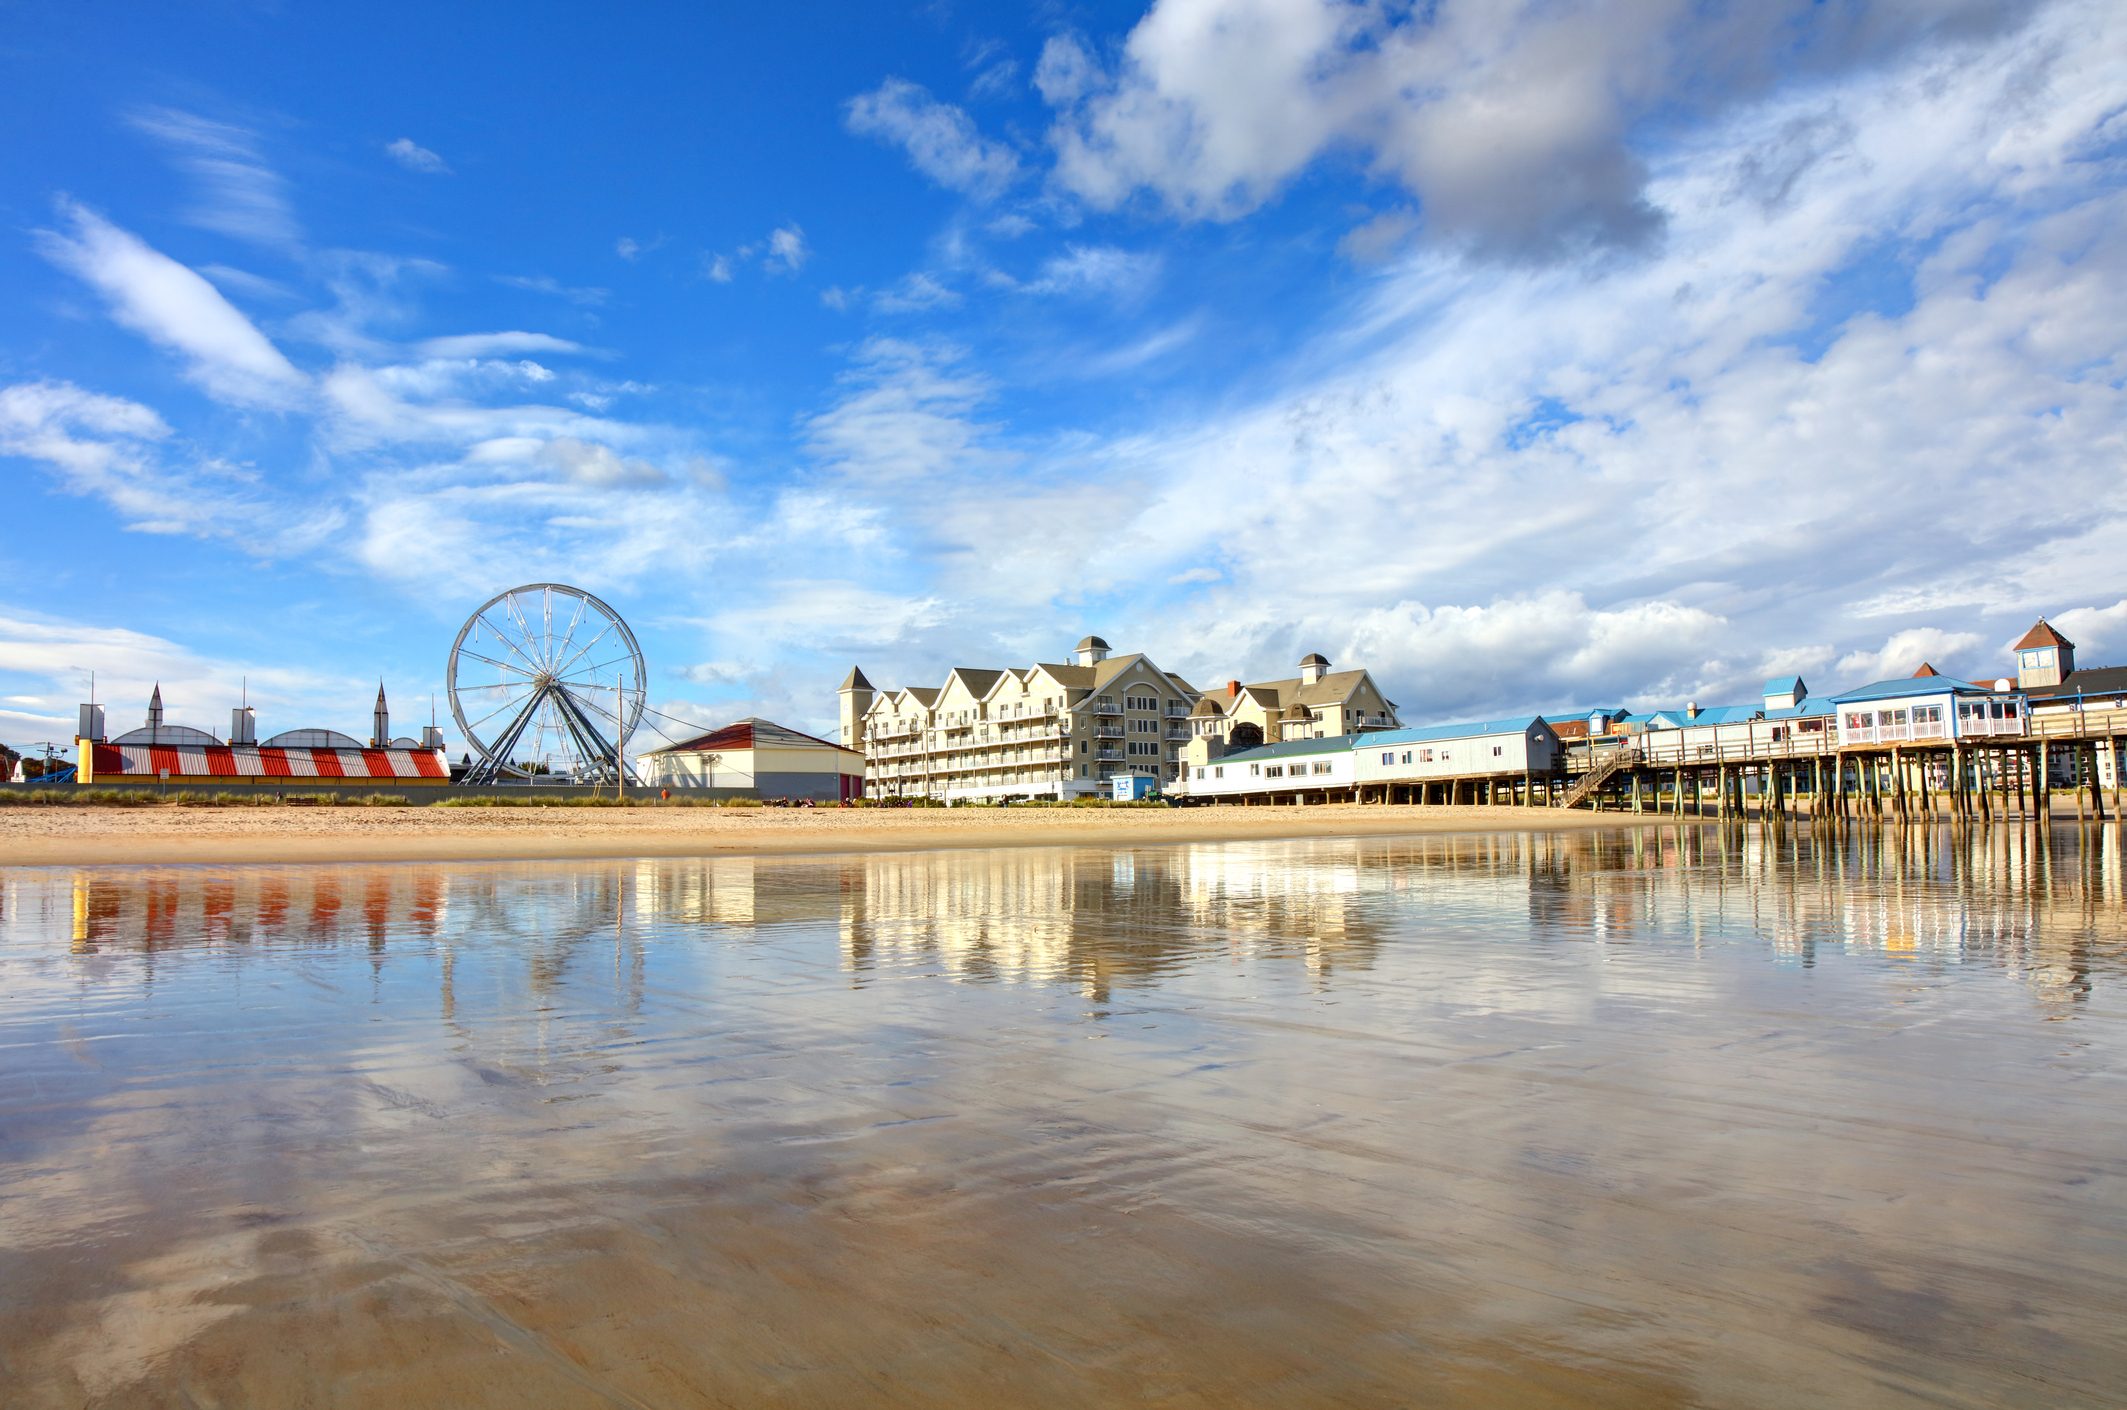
x=63, y=836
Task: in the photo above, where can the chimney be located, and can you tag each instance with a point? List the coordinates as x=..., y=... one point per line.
x=1233, y=688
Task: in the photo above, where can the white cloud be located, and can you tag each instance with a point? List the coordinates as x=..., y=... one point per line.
x=940, y=139
x=587, y=463
x=904, y=415
x=1906, y=651
x=239, y=194
x=491, y=344
x=119, y=452
x=55, y=655
x=916, y=293
x=415, y=157
x=1512, y=125
x=168, y=304
x=1095, y=269
x=588, y=296
x=786, y=249
x=717, y=269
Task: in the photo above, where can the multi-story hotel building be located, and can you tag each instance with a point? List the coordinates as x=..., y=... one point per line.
x=1055, y=731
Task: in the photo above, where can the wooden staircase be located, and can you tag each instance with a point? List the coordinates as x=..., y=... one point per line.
x=1600, y=771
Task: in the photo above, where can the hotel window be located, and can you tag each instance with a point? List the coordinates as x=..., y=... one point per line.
x=1219, y=772
x=1389, y=758
x=1322, y=768
x=1406, y=756
x=1199, y=773
x=1255, y=769
x=1497, y=750
x=1274, y=771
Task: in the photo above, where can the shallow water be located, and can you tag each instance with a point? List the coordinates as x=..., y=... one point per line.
x=1587, y=1120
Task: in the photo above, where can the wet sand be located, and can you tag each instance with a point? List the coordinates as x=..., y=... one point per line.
x=60, y=836
x=1610, y=1119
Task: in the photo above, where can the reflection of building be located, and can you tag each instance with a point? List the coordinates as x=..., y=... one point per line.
x=303, y=758
x=149, y=911
x=759, y=759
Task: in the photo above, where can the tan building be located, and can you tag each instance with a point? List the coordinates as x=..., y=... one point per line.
x=1318, y=703
x=1040, y=731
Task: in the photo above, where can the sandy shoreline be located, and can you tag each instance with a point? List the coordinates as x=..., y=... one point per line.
x=56, y=836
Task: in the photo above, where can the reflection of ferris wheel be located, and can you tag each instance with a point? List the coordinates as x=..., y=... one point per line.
x=545, y=681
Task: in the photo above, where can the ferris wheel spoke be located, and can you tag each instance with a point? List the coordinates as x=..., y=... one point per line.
x=493, y=662
x=576, y=677
x=524, y=627
x=584, y=650
x=568, y=637
x=496, y=630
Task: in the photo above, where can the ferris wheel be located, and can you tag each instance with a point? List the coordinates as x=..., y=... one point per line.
x=546, y=681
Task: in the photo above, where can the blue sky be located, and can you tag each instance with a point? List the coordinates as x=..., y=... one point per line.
x=1532, y=356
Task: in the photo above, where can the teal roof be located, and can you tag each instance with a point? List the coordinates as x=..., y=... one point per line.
x=1710, y=715
x=1784, y=685
x=1909, y=685
x=1427, y=734
x=1286, y=749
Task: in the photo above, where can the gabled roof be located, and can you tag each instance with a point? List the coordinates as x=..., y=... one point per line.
x=1075, y=677
x=1909, y=685
x=1332, y=689
x=1429, y=734
x=1927, y=668
x=2042, y=635
x=924, y=695
x=1784, y=685
x=750, y=733
x=977, y=680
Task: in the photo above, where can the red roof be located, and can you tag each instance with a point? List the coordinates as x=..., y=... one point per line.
x=1927, y=668
x=2043, y=635
x=748, y=734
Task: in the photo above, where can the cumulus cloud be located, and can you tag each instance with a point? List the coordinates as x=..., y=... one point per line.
x=787, y=250
x=237, y=192
x=587, y=463
x=171, y=306
x=1513, y=126
x=941, y=140
x=1952, y=653
x=415, y=157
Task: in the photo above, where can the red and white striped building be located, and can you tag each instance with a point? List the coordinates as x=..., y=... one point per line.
x=311, y=758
